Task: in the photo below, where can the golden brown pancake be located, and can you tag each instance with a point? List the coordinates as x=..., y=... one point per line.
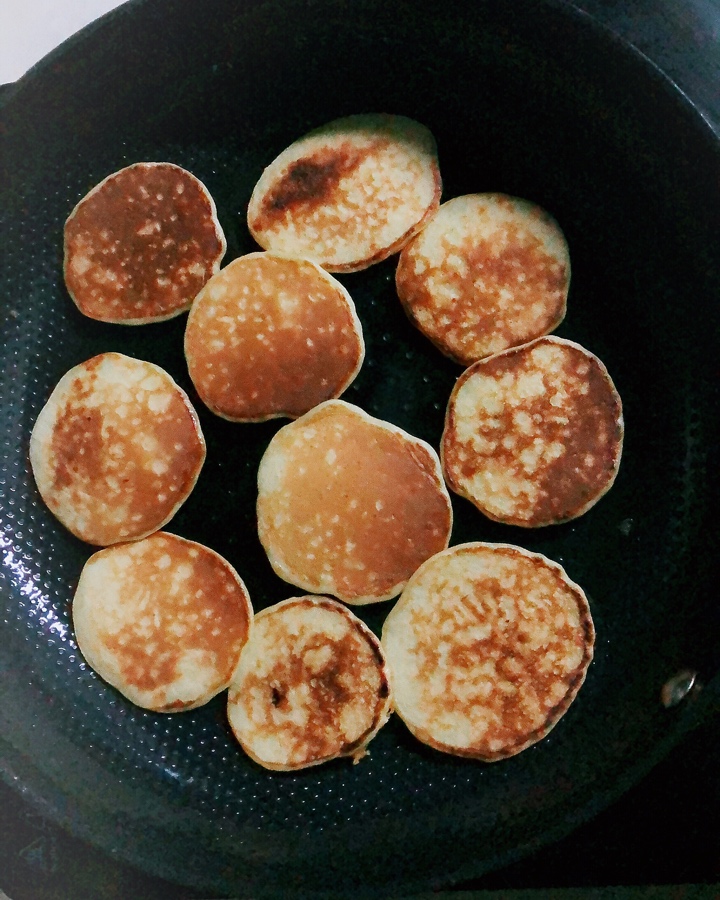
x=488, y=646
x=348, y=194
x=487, y=272
x=533, y=436
x=163, y=620
x=141, y=244
x=272, y=336
x=312, y=685
x=116, y=450
x=350, y=505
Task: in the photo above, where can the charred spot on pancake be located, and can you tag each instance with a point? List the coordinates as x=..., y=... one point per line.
x=277, y=697
x=311, y=685
x=350, y=505
x=116, y=450
x=310, y=180
x=140, y=245
x=348, y=194
x=163, y=620
x=486, y=272
x=272, y=336
x=488, y=646
x=533, y=436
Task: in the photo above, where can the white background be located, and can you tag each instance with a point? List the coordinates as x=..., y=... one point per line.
x=31, y=28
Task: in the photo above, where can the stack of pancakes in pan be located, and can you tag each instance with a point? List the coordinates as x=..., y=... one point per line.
x=488, y=644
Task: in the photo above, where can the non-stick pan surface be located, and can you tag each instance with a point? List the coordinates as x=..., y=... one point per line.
x=528, y=98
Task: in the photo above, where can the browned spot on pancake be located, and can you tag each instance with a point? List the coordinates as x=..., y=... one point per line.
x=496, y=656
x=362, y=505
x=77, y=438
x=561, y=444
x=80, y=445
x=529, y=672
x=142, y=244
x=476, y=293
x=541, y=276
x=310, y=181
x=592, y=443
x=209, y=617
x=323, y=667
x=348, y=194
x=271, y=336
x=163, y=619
x=117, y=450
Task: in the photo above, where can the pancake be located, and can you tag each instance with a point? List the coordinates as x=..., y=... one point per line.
x=116, y=450
x=141, y=244
x=488, y=646
x=272, y=336
x=487, y=272
x=350, y=505
x=312, y=685
x=348, y=194
x=533, y=436
x=163, y=620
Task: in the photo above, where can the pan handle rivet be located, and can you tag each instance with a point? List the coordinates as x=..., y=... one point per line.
x=678, y=687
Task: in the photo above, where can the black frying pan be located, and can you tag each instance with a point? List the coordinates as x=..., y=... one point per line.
x=528, y=98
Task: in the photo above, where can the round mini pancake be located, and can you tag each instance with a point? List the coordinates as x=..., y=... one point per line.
x=533, y=436
x=272, y=336
x=163, y=620
x=116, y=450
x=350, y=505
x=488, y=646
x=141, y=244
x=487, y=272
x=312, y=685
x=348, y=194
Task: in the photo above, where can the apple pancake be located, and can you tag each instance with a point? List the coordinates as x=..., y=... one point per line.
x=311, y=685
x=488, y=646
x=116, y=450
x=272, y=336
x=163, y=620
x=533, y=436
x=141, y=244
x=486, y=272
x=349, y=193
x=350, y=505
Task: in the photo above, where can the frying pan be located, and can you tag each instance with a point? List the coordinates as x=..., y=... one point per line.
x=529, y=98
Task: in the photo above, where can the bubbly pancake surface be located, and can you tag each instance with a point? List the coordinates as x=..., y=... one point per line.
x=163, y=620
x=533, y=436
x=311, y=685
x=272, y=336
x=348, y=194
x=486, y=272
x=116, y=450
x=488, y=646
x=350, y=505
x=141, y=244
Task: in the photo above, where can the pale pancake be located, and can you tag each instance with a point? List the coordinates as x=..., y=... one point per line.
x=488, y=646
x=348, y=194
x=141, y=244
x=272, y=336
x=350, y=505
x=163, y=620
x=312, y=685
x=533, y=436
x=487, y=272
x=116, y=450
